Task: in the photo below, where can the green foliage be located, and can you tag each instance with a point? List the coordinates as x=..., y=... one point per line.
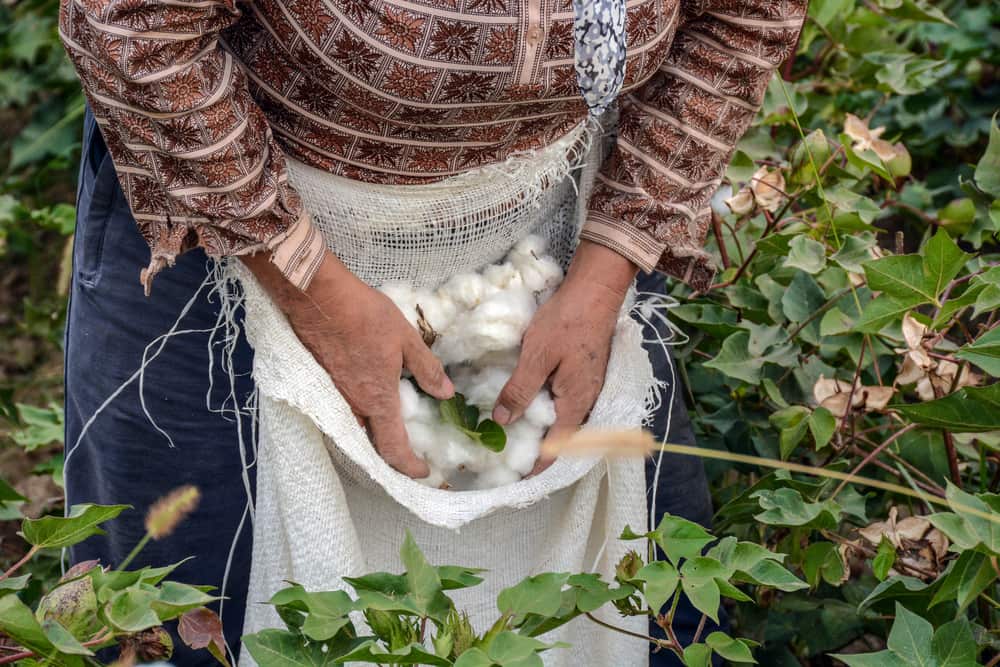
x=91, y=607
x=465, y=418
x=410, y=614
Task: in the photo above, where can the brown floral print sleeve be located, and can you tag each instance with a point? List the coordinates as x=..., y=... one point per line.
x=194, y=154
x=678, y=130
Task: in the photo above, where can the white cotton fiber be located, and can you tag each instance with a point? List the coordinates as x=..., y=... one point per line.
x=467, y=290
x=482, y=387
x=438, y=312
x=479, y=319
x=523, y=445
x=541, y=413
x=503, y=276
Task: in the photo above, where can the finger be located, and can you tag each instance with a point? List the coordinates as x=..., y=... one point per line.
x=392, y=444
x=574, y=392
x=524, y=384
x=427, y=370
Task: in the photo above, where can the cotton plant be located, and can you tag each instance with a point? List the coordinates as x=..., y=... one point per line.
x=474, y=323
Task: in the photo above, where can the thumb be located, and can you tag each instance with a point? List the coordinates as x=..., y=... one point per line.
x=521, y=389
x=427, y=370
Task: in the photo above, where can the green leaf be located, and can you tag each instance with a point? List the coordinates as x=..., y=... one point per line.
x=422, y=579
x=731, y=649
x=879, y=659
x=11, y=584
x=965, y=579
x=661, y=580
x=509, y=647
x=968, y=410
x=131, y=610
x=53, y=532
x=734, y=359
x=942, y=260
x=281, y=648
x=491, y=435
x=698, y=655
x=786, y=507
x=63, y=639
x=464, y=417
x=806, y=254
x=967, y=530
x=882, y=311
x=680, y=538
x=901, y=277
x=698, y=580
x=954, y=645
x=373, y=652
x=17, y=622
x=176, y=598
x=823, y=425
x=884, y=559
x=910, y=637
x=984, y=352
x=793, y=424
x=823, y=562
x=9, y=494
x=541, y=594
x=987, y=174
x=42, y=426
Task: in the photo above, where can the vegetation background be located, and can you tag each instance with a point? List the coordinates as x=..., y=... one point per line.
x=854, y=326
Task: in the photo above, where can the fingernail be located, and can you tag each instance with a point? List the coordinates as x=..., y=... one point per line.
x=447, y=388
x=501, y=415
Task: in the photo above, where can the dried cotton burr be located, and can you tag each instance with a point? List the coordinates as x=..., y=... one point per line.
x=475, y=322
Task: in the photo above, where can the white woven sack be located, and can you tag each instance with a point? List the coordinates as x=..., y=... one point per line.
x=329, y=507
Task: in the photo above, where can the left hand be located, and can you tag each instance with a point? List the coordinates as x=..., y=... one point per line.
x=569, y=339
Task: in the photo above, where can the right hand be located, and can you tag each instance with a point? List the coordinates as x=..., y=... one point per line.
x=363, y=341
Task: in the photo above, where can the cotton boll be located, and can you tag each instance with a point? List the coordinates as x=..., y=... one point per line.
x=454, y=450
x=510, y=310
x=542, y=274
x=495, y=477
x=502, y=359
x=541, y=413
x=409, y=400
x=482, y=388
x=439, y=313
x=424, y=437
x=524, y=441
x=530, y=246
x=502, y=276
x=467, y=290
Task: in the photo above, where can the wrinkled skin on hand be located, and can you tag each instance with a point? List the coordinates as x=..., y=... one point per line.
x=568, y=342
x=363, y=341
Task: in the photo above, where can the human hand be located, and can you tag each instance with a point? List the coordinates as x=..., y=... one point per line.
x=569, y=339
x=363, y=341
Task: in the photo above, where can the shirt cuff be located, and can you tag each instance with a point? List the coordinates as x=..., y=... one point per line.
x=625, y=239
x=298, y=252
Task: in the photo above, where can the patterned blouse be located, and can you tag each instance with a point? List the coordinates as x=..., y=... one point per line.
x=200, y=100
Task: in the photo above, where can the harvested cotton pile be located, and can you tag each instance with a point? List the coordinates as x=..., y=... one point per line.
x=474, y=324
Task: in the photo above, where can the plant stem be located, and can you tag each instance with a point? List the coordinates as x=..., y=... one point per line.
x=701, y=627
x=653, y=640
x=135, y=552
x=13, y=568
x=875, y=452
x=101, y=637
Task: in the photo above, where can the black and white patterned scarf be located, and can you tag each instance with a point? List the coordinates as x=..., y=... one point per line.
x=599, y=31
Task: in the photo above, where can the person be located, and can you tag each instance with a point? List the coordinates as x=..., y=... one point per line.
x=194, y=109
